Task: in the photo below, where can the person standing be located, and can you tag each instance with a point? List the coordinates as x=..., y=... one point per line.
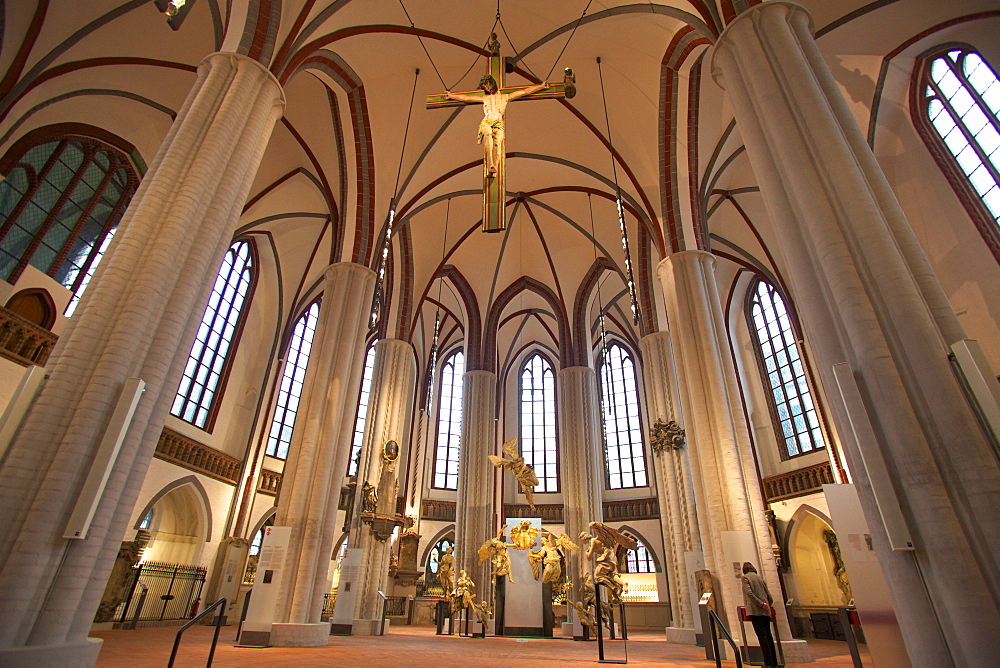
x=758, y=601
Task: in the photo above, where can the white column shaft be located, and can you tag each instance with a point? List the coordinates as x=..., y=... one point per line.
x=580, y=460
x=867, y=297
x=475, y=511
x=138, y=319
x=320, y=446
x=390, y=418
x=717, y=437
x=673, y=474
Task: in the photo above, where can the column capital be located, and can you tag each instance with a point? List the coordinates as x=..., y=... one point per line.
x=752, y=21
x=236, y=61
x=341, y=268
x=681, y=258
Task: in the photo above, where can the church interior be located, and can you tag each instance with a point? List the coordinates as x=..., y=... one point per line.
x=295, y=305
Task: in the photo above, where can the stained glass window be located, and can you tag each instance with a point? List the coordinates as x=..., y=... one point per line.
x=292, y=380
x=624, y=459
x=449, y=437
x=538, y=422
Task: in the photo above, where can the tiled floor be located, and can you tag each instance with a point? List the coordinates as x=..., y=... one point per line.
x=415, y=646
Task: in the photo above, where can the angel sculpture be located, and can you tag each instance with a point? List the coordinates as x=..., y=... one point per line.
x=483, y=612
x=464, y=594
x=606, y=546
x=523, y=472
x=550, y=556
x=523, y=535
x=495, y=549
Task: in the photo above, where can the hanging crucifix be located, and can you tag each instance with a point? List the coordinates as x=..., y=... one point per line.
x=494, y=97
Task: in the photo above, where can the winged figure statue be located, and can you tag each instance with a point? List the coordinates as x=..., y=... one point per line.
x=607, y=547
x=550, y=556
x=523, y=472
x=495, y=549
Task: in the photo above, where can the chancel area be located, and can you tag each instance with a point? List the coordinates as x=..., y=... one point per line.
x=499, y=320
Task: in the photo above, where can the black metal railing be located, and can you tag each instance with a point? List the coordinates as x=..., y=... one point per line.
x=221, y=604
x=167, y=592
x=395, y=606
x=716, y=623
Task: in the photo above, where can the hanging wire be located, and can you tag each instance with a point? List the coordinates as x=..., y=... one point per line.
x=422, y=45
x=568, y=39
x=432, y=365
x=379, y=294
x=633, y=296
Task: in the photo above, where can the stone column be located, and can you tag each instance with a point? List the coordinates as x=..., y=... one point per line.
x=137, y=319
x=320, y=448
x=867, y=297
x=580, y=461
x=672, y=469
x=725, y=477
x=475, y=510
x=390, y=418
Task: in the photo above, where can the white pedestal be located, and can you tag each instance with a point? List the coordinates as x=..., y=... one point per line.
x=680, y=636
x=300, y=635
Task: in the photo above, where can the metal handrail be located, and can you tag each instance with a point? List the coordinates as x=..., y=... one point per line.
x=716, y=622
x=215, y=638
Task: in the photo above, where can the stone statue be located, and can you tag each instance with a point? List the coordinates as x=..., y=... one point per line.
x=446, y=567
x=369, y=498
x=604, y=546
x=522, y=537
x=495, y=549
x=524, y=473
x=465, y=592
x=491, y=129
x=550, y=556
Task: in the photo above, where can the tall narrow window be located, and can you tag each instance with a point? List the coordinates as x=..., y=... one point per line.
x=538, y=421
x=292, y=379
x=359, y=422
x=57, y=204
x=196, y=397
x=781, y=366
x=449, y=437
x=639, y=560
x=624, y=460
x=959, y=114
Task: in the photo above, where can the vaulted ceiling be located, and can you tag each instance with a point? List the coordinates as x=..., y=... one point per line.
x=356, y=135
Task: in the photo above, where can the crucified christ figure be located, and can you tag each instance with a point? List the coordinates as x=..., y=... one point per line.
x=491, y=130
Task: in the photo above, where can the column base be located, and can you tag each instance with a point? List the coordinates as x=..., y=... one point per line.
x=82, y=653
x=369, y=627
x=796, y=651
x=680, y=635
x=300, y=635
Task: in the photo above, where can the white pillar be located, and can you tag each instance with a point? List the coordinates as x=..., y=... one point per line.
x=581, y=464
x=390, y=418
x=138, y=319
x=475, y=509
x=867, y=297
x=718, y=443
x=673, y=475
x=320, y=445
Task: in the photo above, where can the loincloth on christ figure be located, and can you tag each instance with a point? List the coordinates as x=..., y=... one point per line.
x=488, y=126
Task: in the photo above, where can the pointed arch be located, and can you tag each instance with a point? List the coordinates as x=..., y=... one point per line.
x=506, y=297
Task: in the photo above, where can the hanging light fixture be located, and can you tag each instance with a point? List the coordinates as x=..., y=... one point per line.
x=629, y=277
x=432, y=364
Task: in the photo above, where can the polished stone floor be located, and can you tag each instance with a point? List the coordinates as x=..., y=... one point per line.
x=417, y=646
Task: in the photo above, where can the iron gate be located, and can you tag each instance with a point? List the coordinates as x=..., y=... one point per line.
x=162, y=591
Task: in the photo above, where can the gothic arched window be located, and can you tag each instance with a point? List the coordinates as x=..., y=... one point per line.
x=449, y=436
x=624, y=460
x=538, y=421
x=783, y=370
x=437, y=552
x=362, y=418
x=208, y=363
x=58, y=204
x=639, y=560
x=292, y=379
x=957, y=100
